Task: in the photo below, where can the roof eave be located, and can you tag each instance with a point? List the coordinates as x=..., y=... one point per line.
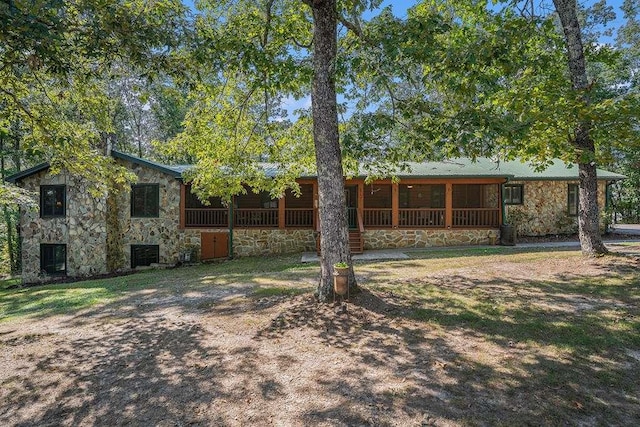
x=147, y=163
x=27, y=172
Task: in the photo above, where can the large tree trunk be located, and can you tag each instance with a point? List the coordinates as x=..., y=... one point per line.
x=588, y=212
x=334, y=230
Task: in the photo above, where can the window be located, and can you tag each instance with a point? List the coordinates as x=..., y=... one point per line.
x=145, y=200
x=53, y=259
x=513, y=194
x=52, y=201
x=144, y=255
x=572, y=199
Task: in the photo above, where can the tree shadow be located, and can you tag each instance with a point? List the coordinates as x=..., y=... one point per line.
x=531, y=363
x=434, y=351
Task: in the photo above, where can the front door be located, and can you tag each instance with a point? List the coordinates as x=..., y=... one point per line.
x=351, y=195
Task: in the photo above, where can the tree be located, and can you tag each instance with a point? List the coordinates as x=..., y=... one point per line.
x=237, y=120
x=493, y=82
x=57, y=88
x=581, y=140
x=334, y=244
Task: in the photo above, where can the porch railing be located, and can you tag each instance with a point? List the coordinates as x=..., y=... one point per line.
x=206, y=217
x=427, y=218
x=298, y=217
x=476, y=217
x=256, y=217
x=303, y=218
x=376, y=217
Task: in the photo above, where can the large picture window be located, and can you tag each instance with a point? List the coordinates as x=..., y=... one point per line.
x=572, y=199
x=144, y=255
x=52, y=201
x=53, y=259
x=513, y=194
x=145, y=200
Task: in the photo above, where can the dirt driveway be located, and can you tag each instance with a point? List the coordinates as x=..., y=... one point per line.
x=447, y=342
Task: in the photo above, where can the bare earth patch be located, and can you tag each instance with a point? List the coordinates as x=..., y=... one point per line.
x=527, y=339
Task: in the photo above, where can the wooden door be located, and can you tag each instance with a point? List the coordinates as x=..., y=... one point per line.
x=214, y=245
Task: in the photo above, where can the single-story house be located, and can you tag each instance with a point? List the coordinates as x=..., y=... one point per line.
x=159, y=220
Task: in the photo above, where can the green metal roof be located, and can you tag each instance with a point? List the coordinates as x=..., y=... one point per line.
x=27, y=172
x=171, y=170
x=487, y=168
x=454, y=168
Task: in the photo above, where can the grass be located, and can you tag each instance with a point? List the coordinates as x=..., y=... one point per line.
x=62, y=298
x=476, y=326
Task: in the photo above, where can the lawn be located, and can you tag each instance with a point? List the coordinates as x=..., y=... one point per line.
x=496, y=336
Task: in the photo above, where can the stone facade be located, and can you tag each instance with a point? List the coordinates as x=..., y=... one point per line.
x=544, y=210
x=250, y=242
x=384, y=239
x=162, y=231
x=82, y=229
x=99, y=231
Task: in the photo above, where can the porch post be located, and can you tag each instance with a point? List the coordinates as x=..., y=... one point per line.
x=315, y=205
x=502, y=206
x=281, y=211
x=183, y=197
x=448, y=214
x=361, y=199
x=395, y=205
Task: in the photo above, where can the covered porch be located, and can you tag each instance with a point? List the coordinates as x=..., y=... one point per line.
x=410, y=204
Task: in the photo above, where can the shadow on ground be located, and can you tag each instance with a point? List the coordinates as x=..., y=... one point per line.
x=454, y=350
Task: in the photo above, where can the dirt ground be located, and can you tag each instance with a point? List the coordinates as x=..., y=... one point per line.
x=224, y=357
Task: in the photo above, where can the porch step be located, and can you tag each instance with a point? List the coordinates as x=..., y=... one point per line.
x=356, y=242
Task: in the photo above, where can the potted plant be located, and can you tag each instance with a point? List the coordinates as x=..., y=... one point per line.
x=341, y=278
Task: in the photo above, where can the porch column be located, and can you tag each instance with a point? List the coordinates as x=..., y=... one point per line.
x=448, y=215
x=183, y=198
x=281, y=211
x=361, y=199
x=315, y=205
x=395, y=205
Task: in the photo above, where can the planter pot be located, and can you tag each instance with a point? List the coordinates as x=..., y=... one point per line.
x=341, y=280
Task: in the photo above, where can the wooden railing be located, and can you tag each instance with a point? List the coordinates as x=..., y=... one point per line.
x=427, y=218
x=303, y=218
x=298, y=217
x=476, y=217
x=375, y=217
x=255, y=217
x=206, y=217
x=352, y=217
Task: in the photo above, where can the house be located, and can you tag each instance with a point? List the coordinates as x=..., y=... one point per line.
x=456, y=202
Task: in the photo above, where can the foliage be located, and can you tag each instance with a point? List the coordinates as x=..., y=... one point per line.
x=236, y=120
x=57, y=89
x=478, y=82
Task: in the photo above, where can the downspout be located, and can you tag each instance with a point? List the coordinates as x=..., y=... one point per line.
x=502, y=205
x=231, y=221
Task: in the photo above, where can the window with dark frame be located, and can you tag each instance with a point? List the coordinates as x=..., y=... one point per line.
x=145, y=200
x=53, y=259
x=144, y=255
x=52, y=201
x=513, y=194
x=572, y=199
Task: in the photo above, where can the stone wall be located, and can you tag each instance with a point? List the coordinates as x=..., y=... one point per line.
x=82, y=229
x=162, y=231
x=86, y=224
x=250, y=242
x=544, y=208
x=399, y=238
